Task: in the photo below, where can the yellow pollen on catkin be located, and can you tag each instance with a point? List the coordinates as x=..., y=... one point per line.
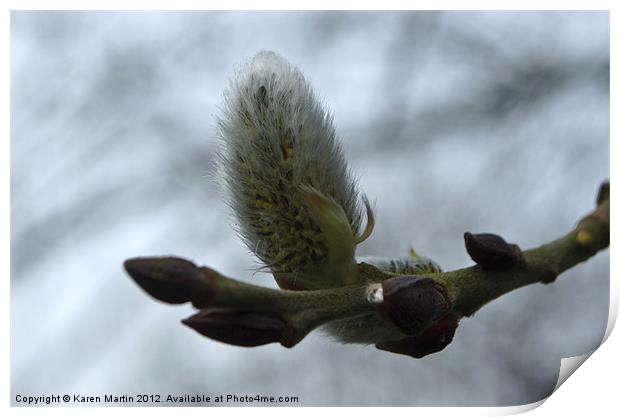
x=583, y=238
x=264, y=205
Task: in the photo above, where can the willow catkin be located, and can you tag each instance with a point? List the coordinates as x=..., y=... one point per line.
x=295, y=200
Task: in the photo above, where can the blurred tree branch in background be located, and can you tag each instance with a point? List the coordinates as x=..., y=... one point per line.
x=419, y=312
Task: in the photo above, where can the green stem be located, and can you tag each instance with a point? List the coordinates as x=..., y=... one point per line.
x=175, y=280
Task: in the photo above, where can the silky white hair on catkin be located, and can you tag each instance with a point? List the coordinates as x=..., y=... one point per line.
x=276, y=138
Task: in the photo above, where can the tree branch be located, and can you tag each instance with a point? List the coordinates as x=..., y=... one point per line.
x=175, y=280
x=476, y=286
x=417, y=314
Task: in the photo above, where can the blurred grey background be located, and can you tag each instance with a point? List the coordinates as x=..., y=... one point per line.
x=454, y=121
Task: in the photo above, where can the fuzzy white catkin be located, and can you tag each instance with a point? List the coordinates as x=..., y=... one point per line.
x=277, y=140
x=295, y=200
x=405, y=265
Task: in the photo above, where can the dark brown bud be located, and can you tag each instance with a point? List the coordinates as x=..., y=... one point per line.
x=491, y=251
x=412, y=303
x=169, y=279
x=603, y=193
x=432, y=340
x=237, y=328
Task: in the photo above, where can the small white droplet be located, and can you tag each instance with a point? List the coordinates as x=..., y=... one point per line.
x=374, y=293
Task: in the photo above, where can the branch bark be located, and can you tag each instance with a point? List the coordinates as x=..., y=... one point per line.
x=248, y=315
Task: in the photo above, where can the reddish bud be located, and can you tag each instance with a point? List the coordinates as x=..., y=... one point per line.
x=237, y=328
x=491, y=251
x=432, y=340
x=286, y=282
x=413, y=303
x=169, y=279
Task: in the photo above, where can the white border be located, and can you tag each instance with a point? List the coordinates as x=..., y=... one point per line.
x=309, y=5
x=592, y=389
